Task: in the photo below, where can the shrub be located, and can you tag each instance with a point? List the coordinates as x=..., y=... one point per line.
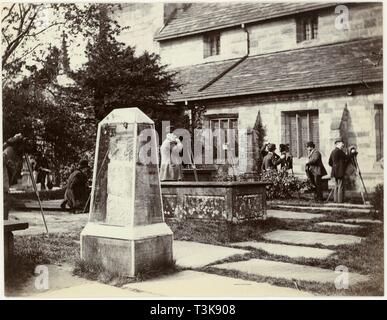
x=377, y=200
x=283, y=185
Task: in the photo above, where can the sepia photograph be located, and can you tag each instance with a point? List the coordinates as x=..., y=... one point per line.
x=192, y=150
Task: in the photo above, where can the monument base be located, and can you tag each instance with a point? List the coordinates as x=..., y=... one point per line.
x=127, y=250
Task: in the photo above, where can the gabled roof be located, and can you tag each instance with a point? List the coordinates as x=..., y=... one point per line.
x=203, y=17
x=315, y=67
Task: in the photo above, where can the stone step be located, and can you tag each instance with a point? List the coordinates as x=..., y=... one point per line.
x=322, y=208
x=337, y=224
x=363, y=221
x=189, y=254
x=349, y=205
x=200, y=284
x=289, y=271
x=311, y=238
x=293, y=215
x=287, y=250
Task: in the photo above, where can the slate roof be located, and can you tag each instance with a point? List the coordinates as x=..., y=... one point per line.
x=201, y=17
x=315, y=67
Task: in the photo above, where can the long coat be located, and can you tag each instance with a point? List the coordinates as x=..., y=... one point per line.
x=77, y=190
x=170, y=164
x=314, y=164
x=338, y=160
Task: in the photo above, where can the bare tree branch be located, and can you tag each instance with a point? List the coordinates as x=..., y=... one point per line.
x=50, y=26
x=9, y=13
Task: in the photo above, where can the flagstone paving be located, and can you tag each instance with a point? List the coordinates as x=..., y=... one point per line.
x=93, y=291
x=190, y=254
x=287, y=250
x=282, y=214
x=358, y=220
x=337, y=224
x=56, y=221
x=289, y=271
x=311, y=238
x=324, y=208
x=200, y=284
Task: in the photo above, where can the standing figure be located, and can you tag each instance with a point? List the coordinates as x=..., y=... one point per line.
x=170, y=167
x=43, y=171
x=77, y=189
x=338, y=160
x=287, y=162
x=315, y=170
x=13, y=150
x=271, y=160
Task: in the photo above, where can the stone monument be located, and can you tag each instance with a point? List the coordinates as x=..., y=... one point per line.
x=126, y=232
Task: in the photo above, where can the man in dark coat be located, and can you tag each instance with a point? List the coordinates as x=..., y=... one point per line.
x=77, y=190
x=338, y=160
x=271, y=160
x=315, y=169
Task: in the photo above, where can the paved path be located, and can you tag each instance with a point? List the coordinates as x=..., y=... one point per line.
x=361, y=221
x=190, y=254
x=282, y=214
x=56, y=221
x=337, y=224
x=287, y=250
x=311, y=238
x=289, y=271
x=324, y=209
x=203, y=285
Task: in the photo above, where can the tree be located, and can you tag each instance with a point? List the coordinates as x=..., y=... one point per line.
x=49, y=115
x=24, y=26
x=114, y=77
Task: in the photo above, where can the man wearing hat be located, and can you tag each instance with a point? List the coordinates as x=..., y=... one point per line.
x=338, y=160
x=77, y=190
x=315, y=169
x=271, y=160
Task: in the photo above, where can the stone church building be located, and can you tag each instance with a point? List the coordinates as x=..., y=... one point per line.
x=313, y=71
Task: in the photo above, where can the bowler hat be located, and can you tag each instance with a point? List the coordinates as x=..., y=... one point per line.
x=339, y=140
x=83, y=164
x=310, y=144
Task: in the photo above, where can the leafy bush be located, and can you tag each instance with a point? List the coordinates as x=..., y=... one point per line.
x=377, y=200
x=283, y=185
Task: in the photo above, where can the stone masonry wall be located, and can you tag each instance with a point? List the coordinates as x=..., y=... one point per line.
x=144, y=21
x=365, y=20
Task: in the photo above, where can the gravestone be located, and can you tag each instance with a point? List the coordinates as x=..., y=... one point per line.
x=126, y=232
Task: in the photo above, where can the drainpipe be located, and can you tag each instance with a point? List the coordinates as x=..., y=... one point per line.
x=247, y=38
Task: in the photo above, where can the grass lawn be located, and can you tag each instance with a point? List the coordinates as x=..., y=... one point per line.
x=365, y=258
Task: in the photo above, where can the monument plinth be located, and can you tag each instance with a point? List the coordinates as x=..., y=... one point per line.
x=126, y=232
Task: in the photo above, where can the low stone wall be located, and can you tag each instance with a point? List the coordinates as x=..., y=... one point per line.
x=227, y=201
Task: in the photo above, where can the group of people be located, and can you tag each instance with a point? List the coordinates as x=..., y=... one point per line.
x=314, y=166
x=271, y=160
x=77, y=188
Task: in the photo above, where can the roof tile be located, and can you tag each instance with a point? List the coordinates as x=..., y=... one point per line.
x=202, y=17
x=321, y=66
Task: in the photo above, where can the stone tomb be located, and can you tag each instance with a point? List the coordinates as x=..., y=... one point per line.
x=126, y=232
